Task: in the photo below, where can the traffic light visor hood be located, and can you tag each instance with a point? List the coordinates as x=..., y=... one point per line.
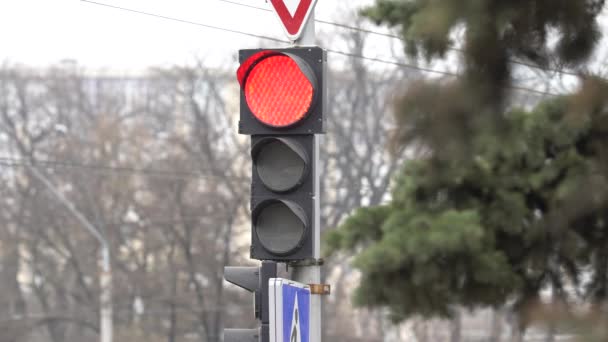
x=279, y=88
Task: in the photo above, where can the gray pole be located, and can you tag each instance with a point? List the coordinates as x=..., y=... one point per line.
x=105, y=278
x=311, y=274
x=309, y=34
x=105, y=305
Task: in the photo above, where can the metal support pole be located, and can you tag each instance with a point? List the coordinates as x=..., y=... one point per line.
x=312, y=274
x=105, y=278
x=105, y=305
x=309, y=34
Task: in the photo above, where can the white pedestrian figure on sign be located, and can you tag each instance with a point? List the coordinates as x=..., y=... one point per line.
x=295, y=323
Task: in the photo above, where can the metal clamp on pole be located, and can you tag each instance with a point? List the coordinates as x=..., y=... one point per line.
x=320, y=289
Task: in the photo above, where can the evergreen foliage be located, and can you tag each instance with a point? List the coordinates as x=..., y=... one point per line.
x=494, y=32
x=503, y=202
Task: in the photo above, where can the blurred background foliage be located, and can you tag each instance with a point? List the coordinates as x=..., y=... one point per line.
x=503, y=204
x=153, y=160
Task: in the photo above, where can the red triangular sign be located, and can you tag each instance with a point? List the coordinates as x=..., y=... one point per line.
x=293, y=14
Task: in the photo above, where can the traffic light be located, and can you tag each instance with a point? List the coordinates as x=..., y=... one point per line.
x=252, y=279
x=282, y=90
x=282, y=107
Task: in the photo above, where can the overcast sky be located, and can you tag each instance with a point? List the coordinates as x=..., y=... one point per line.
x=43, y=32
x=40, y=32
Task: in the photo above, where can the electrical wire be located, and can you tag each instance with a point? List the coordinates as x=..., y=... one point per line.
x=319, y=20
x=405, y=65
x=389, y=35
x=187, y=21
x=19, y=163
x=446, y=73
x=378, y=60
x=16, y=162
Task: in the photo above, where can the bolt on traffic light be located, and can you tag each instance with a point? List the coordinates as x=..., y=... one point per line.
x=282, y=105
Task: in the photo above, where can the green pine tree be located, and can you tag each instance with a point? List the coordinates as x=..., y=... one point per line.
x=504, y=202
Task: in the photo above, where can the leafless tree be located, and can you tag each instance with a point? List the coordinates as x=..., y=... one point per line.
x=145, y=158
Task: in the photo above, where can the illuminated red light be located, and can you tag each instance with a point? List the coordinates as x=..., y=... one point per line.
x=277, y=91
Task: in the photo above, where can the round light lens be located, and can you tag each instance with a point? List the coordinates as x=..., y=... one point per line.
x=279, y=166
x=279, y=228
x=277, y=91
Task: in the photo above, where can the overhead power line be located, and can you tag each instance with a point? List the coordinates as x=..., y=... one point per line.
x=186, y=21
x=446, y=73
x=16, y=162
x=385, y=61
x=394, y=36
x=350, y=27
x=20, y=163
x=373, y=59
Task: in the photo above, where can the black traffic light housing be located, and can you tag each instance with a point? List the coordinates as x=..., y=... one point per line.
x=283, y=103
x=252, y=279
x=299, y=198
x=311, y=60
x=282, y=108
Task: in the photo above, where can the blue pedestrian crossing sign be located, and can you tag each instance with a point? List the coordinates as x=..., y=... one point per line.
x=289, y=310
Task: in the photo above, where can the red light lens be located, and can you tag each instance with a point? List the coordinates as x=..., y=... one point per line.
x=277, y=92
